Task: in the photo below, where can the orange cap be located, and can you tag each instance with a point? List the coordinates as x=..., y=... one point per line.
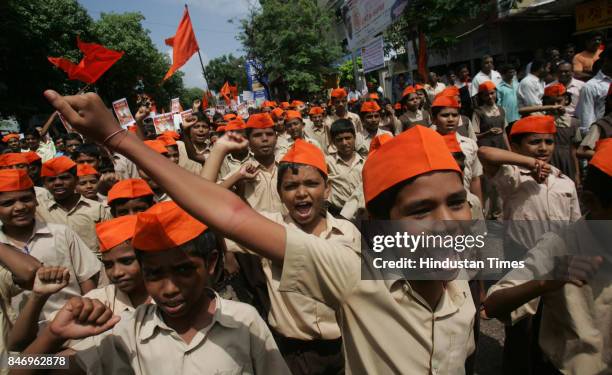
x=534, y=124
x=130, y=188
x=378, y=141
x=157, y=146
x=408, y=90
x=316, y=111
x=229, y=117
x=397, y=106
x=370, y=106
x=451, y=142
x=486, y=86
x=221, y=129
x=166, y=140
x=414, y=152
x=268, y=103
x=114, y=232
x=446, y=101
x=260, y=121
x=418, y=87
x=31, y=156
x=303, y=152
x=449, y=91
x=602, y=159
x=373, y=96
x=277, y=113
x=235, y=125
x=14, y=180
x=339, y=93
x=285, y=105
x=165, y=226
x=291, y=115
x=556, y=89
x=172, y=134
x=12, y=158
x=86, y=170
x=57, y=166
x=8, y=137
x=296, y=103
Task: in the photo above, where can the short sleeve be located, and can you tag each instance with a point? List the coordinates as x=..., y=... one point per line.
x=324, y=270
x=84, y=261
x=591, y=138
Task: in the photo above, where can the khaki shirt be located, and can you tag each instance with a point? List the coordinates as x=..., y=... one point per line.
x=318, y=134
x=283, y=147
x=576, y=325
x=354, y=208
x=231, y=165
x=237, y=342
x=82, y=218
x=261, y=193
x=544, y=205
x=387, y=328
x=184, y=161
x=124, y=167
x=8, y=289
x=58, y=245
x=355, y=119
x=362, y=141
x=473, y=167
x=344, y=178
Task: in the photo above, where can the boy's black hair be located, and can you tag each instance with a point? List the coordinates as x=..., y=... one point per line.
x=284, y=167
x=201, y=117
x=149, y=199
x=538, y=64
x=71, y=136
x=505, y=68
x=203, y=246
x=600, y=184
x=217, y=117
x=341, y=126
x=32, y=131
x=90, y=149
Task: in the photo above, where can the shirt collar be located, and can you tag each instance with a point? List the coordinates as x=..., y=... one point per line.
x=40, y=229
x=246, y=158
x=154, y=322
x=332, y=225
x=451, y=301
x=82, y=201
x=358, y=159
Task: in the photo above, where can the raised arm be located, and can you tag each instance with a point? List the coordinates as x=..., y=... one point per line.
x=217, y=207
x=492, y=158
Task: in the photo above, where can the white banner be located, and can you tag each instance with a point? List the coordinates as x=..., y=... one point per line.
x=373, y=55
x=364, y=19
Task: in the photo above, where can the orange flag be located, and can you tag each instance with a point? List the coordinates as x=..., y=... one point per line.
x=234, y=92
x=226, y=92
x=183, y=43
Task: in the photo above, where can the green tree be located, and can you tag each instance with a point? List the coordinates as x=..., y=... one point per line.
x=141, y=61
x=347, y=73
x=29, y=32
x=226, y=68
x=189, y=95
x=436, y=19
x=288, y=39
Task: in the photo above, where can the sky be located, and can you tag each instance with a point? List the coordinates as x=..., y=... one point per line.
x=215, y=35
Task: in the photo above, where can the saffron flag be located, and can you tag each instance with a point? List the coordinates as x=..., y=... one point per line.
x=183, y=43
x=96, y=61
x=226, y=92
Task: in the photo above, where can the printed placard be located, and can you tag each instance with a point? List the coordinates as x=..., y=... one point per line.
x=123, y=113
x=186, y=114
x=163, y=122
x=175, y=105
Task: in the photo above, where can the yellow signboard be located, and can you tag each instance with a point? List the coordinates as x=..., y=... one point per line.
x=594, y=14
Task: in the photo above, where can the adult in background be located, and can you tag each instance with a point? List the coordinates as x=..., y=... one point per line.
x=531, y=88
x=487, y=73
x=434, y=87
x=572, y=85
x=583, y=61
x=592, y=101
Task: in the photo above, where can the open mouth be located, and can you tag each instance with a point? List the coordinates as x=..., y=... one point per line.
x=303, y=209
x=59, y=191
x=174, y=307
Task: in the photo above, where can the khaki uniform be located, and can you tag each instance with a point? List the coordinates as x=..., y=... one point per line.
x=282, y=148
x=387, y=328
x=82, y=218
x=355, y=119
x=318, y=134
x=58, y=245
x=231, y=165
x=184, y=161
x=576, y=325
x=261, y=193
x=237, y=341
x=362, y=141
x=354, y=207
x=8, y=289
x=124, y=167
x=473, y=167
x=545, y=205
x=344, y=178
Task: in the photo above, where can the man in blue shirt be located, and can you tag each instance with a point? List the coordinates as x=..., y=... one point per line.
x=507, y=93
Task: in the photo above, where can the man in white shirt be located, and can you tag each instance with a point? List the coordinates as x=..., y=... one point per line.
x=572, y=85
x=531, y=88
x=486, y=73
x=434, y=87
x=592, y=102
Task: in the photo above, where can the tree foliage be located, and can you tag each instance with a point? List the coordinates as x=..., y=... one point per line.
x=288, y=39
x=189, y=95
x=434, y=18
x=347, y=73
x=226, y=68
x=34, y=29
